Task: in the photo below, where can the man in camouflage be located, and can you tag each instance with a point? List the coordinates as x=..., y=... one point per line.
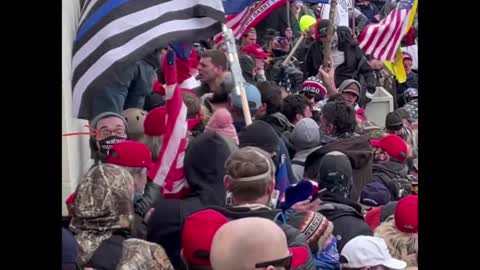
x=102, y=220
x=384, y=79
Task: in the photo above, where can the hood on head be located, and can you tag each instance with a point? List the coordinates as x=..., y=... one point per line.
x=335, y=173
x=345, y=37
x=205, y=175
x=305, y=135
x=344, y=85
x=259, y=134
x=103, y=200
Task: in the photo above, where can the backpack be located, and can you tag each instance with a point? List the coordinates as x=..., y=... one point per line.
x=399, y=186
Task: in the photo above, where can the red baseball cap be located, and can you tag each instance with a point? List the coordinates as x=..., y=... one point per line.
x=130, y=154
x=395, y=146
x=406, y=55
x=299, y=256
x=197, y=235
x=256, y=51
x=406, y=214
x=155, y=122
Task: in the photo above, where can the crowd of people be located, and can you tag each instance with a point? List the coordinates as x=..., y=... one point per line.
x=181, y=181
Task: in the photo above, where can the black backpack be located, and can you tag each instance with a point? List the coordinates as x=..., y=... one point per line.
x=399, y=186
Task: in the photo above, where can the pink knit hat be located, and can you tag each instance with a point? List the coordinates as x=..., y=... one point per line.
x=221, y=122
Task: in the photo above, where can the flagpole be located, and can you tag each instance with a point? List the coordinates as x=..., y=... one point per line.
x=236, y=72
x=353, y=18
x=299, y=41
x=288, y=13
x=331, y=27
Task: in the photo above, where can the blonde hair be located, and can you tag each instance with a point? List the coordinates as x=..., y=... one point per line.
x=249, y=162
x=193, y=104
x=402, y=246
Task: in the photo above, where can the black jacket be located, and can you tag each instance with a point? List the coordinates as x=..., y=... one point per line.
x=279, y=122
x=358, y=150
x=205, y=177
x=122, y=91
x=355, y=65
x=346, y=217
x=302, y=50
x=282, y=127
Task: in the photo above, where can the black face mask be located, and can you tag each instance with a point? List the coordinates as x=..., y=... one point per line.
x=106, y=144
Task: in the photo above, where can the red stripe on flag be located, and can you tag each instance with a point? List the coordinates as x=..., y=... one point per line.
x=373, y=37
x=395, y=42
x=387, y=35
x=253, y=15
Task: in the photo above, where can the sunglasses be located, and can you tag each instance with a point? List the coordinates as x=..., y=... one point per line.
x=283, y=262
x=315, y=97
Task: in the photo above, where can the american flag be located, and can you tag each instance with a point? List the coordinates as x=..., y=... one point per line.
x=381, y=40
x=250, y=16
x=168, y=169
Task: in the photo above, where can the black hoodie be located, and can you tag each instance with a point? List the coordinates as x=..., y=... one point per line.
x=355, y=63
x=346, y=217
x=205, y=177
x=358, y=150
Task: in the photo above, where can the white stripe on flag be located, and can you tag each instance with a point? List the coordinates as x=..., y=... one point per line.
x=395, y=42
x=237, y=18
x=178, y=134
x=386, y=38
x=369, y=33
x=381, y=29
x=130, y=21
x=87, y=10
x=104, y=62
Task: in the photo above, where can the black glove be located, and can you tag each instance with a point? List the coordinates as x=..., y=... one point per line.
x=150, y=196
